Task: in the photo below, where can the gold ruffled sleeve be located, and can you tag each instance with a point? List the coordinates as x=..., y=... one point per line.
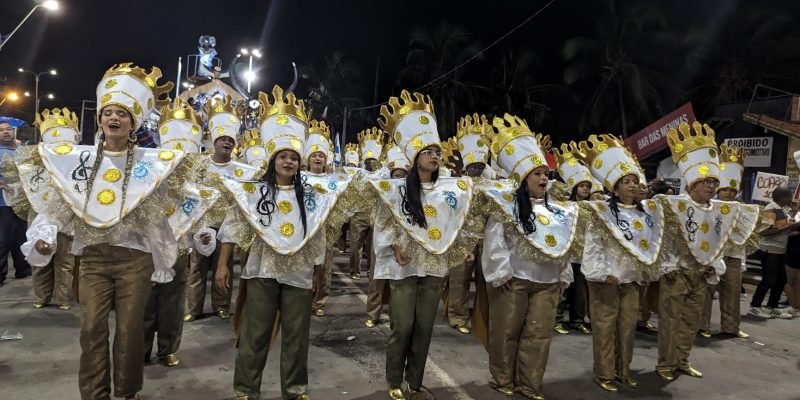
x=14, y=192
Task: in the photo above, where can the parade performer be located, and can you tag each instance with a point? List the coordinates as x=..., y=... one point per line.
x=528, y=244
x=731, y=166
x=54, y=281
x=706, y=226
x=115, y=196
x=622, y=252
x=396, y=165
x=424, y=221
x=284, y=215
x=317, y=158
x=359, y=235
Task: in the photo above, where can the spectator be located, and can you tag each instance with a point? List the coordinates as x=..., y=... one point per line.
x=12, y=228
x=773, y=257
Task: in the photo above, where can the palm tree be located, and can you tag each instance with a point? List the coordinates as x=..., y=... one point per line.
x=513, y=86
x=433, y=54
x=332, y=86
x=616, y=73
x=755, y=43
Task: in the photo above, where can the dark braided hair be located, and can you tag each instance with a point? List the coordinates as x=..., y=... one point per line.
x=412, y=197
x=524, y=209
x=267, y=202
x=613, y=206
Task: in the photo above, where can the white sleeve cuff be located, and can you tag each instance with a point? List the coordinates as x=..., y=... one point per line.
x=45, y=232
x=205, y=249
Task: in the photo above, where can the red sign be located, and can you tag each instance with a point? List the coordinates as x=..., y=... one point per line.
x=654, y=138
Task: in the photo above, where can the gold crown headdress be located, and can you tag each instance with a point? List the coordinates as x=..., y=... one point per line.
x=516, y=149
x=319, y=139
x=58, y=125
x=608, y=159
x=253, y=149
x=222, y=118
x=281, y=105
x=410, y=122
x=132, y=88
x=180, y=127
x=473, y=134
x=351, y=155
x=394, y=158
x=731, y=166
x=572, y=170
x=694, y=150
x=370, y=143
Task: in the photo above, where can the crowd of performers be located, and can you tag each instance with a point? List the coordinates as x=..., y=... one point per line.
x=148, y=225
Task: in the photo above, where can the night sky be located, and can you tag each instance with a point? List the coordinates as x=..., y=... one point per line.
x=85, y=37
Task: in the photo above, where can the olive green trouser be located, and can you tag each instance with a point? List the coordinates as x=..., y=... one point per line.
x=199, y=267
x=729, y=287
x=265, y=299
x=614, y=310
x=164, y=313
x=112, y=278
x=376, y=290
x=413, y=303
x=458, y=290
x=53, y=282
x=322, y=275
x=520, y=330
x=680, y=308
x=359, y=235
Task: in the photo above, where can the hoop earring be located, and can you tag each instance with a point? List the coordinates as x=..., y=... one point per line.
x=132, y=137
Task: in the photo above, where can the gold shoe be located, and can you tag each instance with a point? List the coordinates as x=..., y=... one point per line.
x=223, y=314
x=303, y=397
x=608, y=386
x=414, y=394
x=188, y=318
x=371, y=323
x=582, y=328
x=560, y=329
x=741, y=335
x=666, y=374
x=355, y=277
x=648, y=327
x=38, y=305
x=463, y=329
x=704, y=333
x=172, y=360
x=688, y=370
x=627, y=381
x=64, y=307
x=396, y=394
x=505, y=390
x=319, y=313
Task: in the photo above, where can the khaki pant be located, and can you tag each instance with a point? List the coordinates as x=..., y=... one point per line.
x=112, y=278
x=648, y=302
x=520, y=329
x=458, y=290
x=359, y=235
x=681, y=306
x=164, y=313
x=730, y=285
x=413, y=303
x=53, y=282
x=322, y=280
x=614, y=312
x=377, y=292
x=199, y=267
x=266, y=299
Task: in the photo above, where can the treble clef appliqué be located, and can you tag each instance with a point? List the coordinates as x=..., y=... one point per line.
x=80, y=175
x=625, y=227
x=691, y=226
x=404, y=203
x=308, y=195
x=265, y=206
x=37, y=179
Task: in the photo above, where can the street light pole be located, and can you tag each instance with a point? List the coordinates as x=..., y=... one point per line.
x=50, y=5
x=36, y=93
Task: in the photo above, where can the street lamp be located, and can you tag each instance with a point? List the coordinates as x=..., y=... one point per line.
x=250, y=76
x=52, y=72
x=51, y=5
x=51, y=96
x=13, y=96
